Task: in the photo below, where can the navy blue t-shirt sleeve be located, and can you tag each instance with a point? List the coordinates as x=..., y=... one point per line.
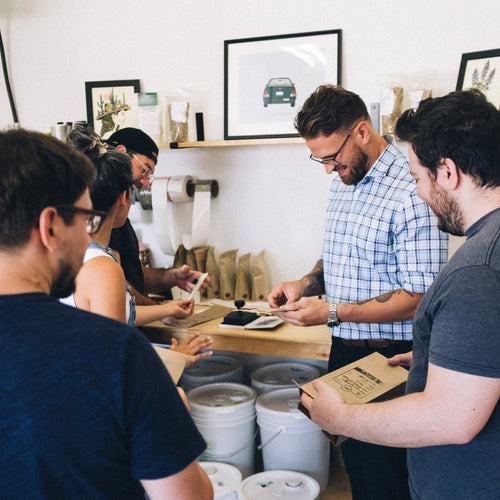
x=465, y=326
x=164, y=439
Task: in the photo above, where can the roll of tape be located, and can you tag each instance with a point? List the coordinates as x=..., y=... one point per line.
x=161, y=214
x=180, y=188
x=200, y=228
x=166, y=191
x=171, y=222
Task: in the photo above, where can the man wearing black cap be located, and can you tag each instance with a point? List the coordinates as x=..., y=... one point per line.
x=143, y=153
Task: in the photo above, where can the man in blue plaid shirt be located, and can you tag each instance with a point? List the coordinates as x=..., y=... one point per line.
x=382, y=250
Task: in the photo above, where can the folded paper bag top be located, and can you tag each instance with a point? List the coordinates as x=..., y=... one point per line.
x=174, y=361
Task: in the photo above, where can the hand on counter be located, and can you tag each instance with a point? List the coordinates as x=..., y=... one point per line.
x=192, y=345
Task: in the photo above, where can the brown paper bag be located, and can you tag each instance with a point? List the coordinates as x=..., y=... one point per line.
x=190, y=260
x=213, y=288
x=227, y=273
x=200, y=257
x=243, y=278
x=180, y=257
x=260, y=278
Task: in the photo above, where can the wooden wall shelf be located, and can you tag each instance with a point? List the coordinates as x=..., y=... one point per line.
x=234, y=142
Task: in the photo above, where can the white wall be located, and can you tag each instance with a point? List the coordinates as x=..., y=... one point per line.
x=270, y=197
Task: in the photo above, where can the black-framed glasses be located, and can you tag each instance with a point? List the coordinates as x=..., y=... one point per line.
x=94, y=220
x=332, y=158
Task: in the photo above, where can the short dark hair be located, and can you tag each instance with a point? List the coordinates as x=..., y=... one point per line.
x=114, y=168
x=462, y=126
x=330, y=108
x=36, y=171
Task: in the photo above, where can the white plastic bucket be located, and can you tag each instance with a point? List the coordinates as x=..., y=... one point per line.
x=289, y=440
x=216, y=368
x=224, y=413
x=225, y=479
x=283, y=484
x=281, y=375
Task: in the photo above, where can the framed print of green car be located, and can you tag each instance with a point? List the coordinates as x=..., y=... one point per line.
x=279, y=91
x=268, y=78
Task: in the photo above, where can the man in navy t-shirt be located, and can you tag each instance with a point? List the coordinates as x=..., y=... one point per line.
x=88, y=409
x=449, y=418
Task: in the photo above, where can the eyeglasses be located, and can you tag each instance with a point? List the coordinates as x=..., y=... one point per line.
x=94, y=220
x=332, y=158
x=147, y=172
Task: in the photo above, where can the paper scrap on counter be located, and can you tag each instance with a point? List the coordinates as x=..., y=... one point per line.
x=269, y=310
x=213, y=312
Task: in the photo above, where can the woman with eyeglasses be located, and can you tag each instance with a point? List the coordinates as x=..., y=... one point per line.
x=100, y=284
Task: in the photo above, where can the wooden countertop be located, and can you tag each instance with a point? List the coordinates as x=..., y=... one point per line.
x=311, y=342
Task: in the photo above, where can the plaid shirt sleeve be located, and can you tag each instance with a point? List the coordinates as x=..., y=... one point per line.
x=421, y=249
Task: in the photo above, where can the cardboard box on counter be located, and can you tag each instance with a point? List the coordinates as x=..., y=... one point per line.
x=369, y=379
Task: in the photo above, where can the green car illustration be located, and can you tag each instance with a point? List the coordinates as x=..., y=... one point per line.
x=279, y=91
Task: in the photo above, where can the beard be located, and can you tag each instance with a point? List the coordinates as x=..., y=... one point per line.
x=357, y=168
x=64, y=284
x=448, y=214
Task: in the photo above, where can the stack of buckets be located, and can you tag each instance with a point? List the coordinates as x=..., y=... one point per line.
x=289, y=440
x=225, y=412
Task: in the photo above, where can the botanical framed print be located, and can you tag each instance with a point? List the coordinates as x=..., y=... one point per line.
x=481, y=70
x=111, y=104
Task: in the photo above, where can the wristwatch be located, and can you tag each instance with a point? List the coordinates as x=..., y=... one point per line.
x=333, y=319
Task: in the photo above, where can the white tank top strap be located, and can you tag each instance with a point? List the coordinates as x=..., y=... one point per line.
x=95, y=252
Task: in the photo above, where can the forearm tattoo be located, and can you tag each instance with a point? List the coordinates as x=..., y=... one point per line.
x=316, y=280
x=385, y=296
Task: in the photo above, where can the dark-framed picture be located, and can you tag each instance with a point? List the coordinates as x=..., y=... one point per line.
x=481, y=70
x=111, y=104
x=267, y=79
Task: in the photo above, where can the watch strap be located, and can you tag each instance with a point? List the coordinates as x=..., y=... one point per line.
x=333, y=319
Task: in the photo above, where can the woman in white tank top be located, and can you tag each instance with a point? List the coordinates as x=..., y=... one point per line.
x=100, y=284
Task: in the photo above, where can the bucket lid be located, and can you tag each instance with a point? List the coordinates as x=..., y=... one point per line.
x=224, y=397
x=280, y=401
x=279, y=483
x=225, y=478
x=282, y=374
x=212, y=366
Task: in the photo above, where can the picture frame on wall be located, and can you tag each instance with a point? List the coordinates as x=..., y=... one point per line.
x=111, y=104
x=267, y=79
x=481, y=70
